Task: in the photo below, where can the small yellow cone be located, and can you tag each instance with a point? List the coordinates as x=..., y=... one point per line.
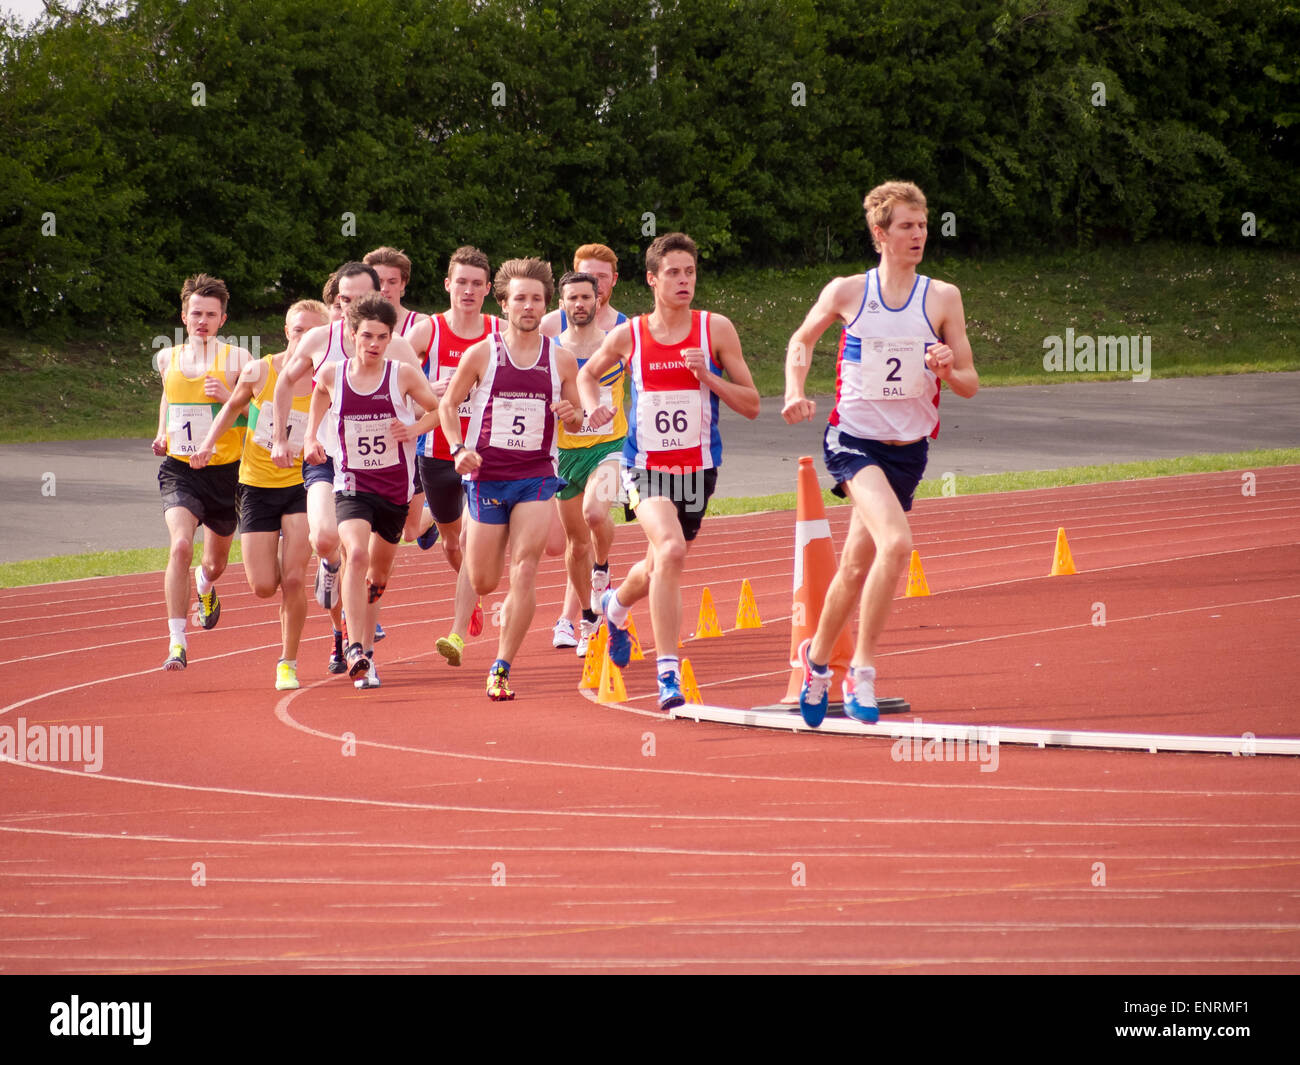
x=1062, y=561
x=611, y=682
x=637, y=653
x=747, y=610
x=916, y=584
x=690, y=689
x=591, y=662
x=708, y=623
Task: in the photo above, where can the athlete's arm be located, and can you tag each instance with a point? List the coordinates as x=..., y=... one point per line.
x=160, y=438
x=400, y=350
x=250, y=381
x=829, y=309
x=314, y=342
x=312, y=449
x=419, y=336
x=737, y=389
x=569, y=407
x=415, y=386
x=952, y=360
x=550, y=326
x=616, y=348
x=473, y=364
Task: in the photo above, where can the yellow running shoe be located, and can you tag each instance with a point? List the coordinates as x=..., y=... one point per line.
x=209, y=609
x=286, y=677
x=498, y=685
x=451, y=648
x=176, y=658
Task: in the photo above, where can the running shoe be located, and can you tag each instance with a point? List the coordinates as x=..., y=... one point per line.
x=286, y=677
x=379, y=632
x=209, y=609
x=476, y=620
x=813, y=696
x=327, y=577
x=369, y=679
x=358, y=663
x=620, y=640
x=670, y=691
x=175, y=658
x=563, y=635
x=336, y=663
x=860, y=698
x=586, y=630
x=498, y=685
x=428, y=538
x=452, y=648
x=599, y=582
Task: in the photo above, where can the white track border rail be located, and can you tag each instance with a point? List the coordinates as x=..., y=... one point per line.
x=905, y=728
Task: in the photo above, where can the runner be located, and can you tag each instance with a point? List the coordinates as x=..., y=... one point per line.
x=322, y=346
x=903, y=334
x=600, y=262
x=454, y=331
x=369, y=401
x=272, y=501
x=676, y=357
x=589, y=463
x=522, y=384
x=197, y=378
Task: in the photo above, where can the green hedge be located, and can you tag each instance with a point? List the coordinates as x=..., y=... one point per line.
x=233, y=137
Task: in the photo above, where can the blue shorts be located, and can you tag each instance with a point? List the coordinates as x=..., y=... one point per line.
x=317, y=474
x=490, y=502
x=902, y=464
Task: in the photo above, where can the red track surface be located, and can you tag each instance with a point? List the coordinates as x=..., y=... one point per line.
x=622, y=841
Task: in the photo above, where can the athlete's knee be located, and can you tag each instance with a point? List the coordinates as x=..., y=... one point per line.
x=671, y=554
x=263, y=588
x=325, y=542
x=182, y=550
x=895, y=547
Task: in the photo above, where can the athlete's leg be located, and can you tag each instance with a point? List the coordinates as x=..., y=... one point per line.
x=664, y=561
x=354, y=535
x=555, y=538
x=295, y=552
x=485, y=554
x=216, y=553
x=181, y=527
x=600, y=494
x=261, y=561
x=376, y=572
x=885, y=520
x=577, y=556
x=530, y=525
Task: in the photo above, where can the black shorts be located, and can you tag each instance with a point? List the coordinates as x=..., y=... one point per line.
x=690, y=493
x=208, y=494
x=902, y=464
x=260, y=509
x=444, y=491
x=385, y=517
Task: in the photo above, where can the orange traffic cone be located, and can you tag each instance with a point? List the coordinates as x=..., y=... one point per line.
x=707, y=625
x=690, y=689
x=747, y=610
x=612, y=689
x=637, y=653
x=591, y=663
x=814, y=568
x=916, y=577
x=1062, y=561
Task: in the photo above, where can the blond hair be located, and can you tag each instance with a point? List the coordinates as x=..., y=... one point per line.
x=880, y=202
x=531, y=269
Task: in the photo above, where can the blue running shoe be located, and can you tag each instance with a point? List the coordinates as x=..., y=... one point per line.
x=670, y=691
x=379, y=632
x=428, y=538
x=860, y=698
x=814, y=695
x=620, y=640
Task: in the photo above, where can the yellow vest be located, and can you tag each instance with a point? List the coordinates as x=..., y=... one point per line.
x=190, y=413
x=256, y=467
x=611, y=394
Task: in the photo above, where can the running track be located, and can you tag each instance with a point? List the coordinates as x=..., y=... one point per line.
x=621, y=841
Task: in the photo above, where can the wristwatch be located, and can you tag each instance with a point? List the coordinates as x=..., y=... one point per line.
x=456, y=449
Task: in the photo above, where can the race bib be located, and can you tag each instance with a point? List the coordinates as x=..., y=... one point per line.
x=264, y=434
x=893, y=368
x=606, y=400
x=668, y=421
x=466, y=408
x=370, y=446
x=518, y=424
x=187, y=425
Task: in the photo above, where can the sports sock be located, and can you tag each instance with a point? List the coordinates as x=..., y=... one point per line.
x=201, y=581
x=617, y=612
x=667, y=664
x=176, y=628
x=819, y=670
x=589, y=616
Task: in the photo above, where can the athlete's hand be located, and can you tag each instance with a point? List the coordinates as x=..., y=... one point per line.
x=800, y=409
x=696, y=361
x=283, y=457
x=567, y=413
x=467, y=461
x=399, y=430
x=312, y=451
x=160, y=445
x=439, y=385
x=599, y=417
x=215, y=388
x=939, y=358
x=201, y=457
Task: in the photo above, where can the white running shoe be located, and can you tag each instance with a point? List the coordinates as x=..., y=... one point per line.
x=586, y=630
x=599, y=582
x=563, y=636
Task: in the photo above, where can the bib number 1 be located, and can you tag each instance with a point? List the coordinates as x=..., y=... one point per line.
x=187, y=425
